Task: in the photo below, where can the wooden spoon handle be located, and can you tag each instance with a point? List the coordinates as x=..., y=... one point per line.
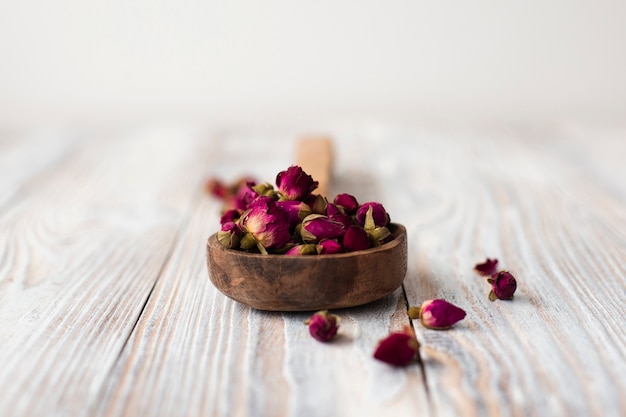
x=315, y=156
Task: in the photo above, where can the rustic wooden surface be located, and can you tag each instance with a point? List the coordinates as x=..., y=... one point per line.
x=106, y=308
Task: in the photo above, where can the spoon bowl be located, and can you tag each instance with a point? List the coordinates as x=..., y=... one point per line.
x=313, y=282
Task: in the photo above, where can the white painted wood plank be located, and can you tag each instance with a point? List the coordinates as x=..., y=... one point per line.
x=26, y=156
x=195, y=352
x=80, y=253
x=559, y=347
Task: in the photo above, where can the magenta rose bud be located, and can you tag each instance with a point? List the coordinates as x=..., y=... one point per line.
x=328, y=247
x=216, y=188
x=301, y=250
x=294, y=183
x=398, y=349
x=487, y=268
x=296, y=210
x=316, y=227
x=379, y=214
x=337, y=215
x=348, y=202
x=230, y=235
x=503, y=286
x=439, y=314
x=230, y=216
x=355, y=239
x=267, y=223
x=245, y=196
x=323, y=326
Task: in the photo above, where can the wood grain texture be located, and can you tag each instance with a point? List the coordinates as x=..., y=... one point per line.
x=106, y=308
x=557, y=348
x=80, y=253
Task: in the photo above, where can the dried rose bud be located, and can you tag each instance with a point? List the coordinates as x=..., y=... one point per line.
x=323, y=326
x=328, y=247
x=296, y=210
x=306, y=249
x=317, y=203
x=335, y=214
x=503, y=286
x=244, y=196
x=487, y=268
x=348, y=202
x=265, y=189
x=378, y=213
x=230, y=235
x=439, y=314
x=399, y=348
x=294, y=183
x=355, y=239
x=230, y=216
x=267, y=223
x=316, y=227
x=216, y=188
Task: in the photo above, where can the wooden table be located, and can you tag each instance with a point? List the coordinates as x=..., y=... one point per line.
x=106, y=308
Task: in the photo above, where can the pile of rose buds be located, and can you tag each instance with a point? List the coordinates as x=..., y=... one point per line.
x=290, y=219
x=400, y=348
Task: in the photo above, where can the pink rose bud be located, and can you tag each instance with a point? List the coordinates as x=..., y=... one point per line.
x=355, y=239
x=317, y=203
x=245, y=196
x=299, y=250
x=230, y=235
x=265, y=189
x=216, y=188
x=348, y=202
x=334, y=214
x=296, y=210
x=379, y=215
x=294, y=183
x=487, y=268
x=399, y=348
x=439, y=314
x=267, y=223
x=230, y=216
x=323, y=326
x=328, y=247
x=316, y=227
x=503, y=286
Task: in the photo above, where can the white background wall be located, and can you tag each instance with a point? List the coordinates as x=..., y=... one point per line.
x=238, y=60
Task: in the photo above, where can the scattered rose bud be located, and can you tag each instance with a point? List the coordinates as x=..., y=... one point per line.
x=439, y=314
x=414, y=313
x=503, y=286
x=399, y=348
x=296, y=210
x=299, y=250
x=294, y=183
x=316, y=227
x=379, y=214
x=355, y=239
x=328, y=247
x=487, y=268
x=348, y=202
x=267, y=223
x=323, y=326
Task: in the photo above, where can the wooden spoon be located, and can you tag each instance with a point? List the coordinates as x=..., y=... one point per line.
x=307, y=283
